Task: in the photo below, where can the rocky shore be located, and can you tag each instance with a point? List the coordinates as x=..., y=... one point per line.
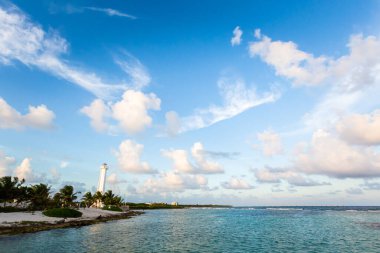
x=18, y=223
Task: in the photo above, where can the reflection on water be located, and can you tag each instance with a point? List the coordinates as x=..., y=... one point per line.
x=208, y=230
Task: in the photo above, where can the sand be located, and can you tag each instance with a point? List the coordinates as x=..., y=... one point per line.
x=7, y=219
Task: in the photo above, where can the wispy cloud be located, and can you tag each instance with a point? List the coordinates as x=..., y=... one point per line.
x=22, y=40
x=237, y=98
x=111, y=12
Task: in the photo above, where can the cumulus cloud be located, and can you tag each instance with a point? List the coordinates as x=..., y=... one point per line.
x=269, y=175
x=5, y=163
x=39, y=117
x=173, y=182
x=128, y=156
x=130, y=113
x=362, y=129
x=355, y=70
x=113, y=179
x=237, y=98
x=24, y=171
x=22, y=40
x=329, y=155
x=199, y=165
x=271, y=143
x=236, y=39
x=353, y=78
x=237, y=184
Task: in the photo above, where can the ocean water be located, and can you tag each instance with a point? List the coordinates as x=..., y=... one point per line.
x=304, y=229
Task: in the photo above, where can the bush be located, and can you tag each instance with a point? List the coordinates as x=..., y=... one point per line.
x=112, y=208
x=62, y=213
x=11, y=209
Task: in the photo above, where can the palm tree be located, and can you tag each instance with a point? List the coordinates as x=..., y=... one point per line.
x=117, y=201
x=98, y=197
x=88, y=199
x=67, y=195
x=10, y=189
x=39, y=196
x=108, y=197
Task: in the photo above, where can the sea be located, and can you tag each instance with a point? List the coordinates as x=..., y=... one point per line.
x=241, y=229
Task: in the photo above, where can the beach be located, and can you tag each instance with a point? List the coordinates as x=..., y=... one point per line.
x=26, y=222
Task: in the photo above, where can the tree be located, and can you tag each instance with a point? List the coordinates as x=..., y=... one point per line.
x=10, y=189
x=88, y=199
x=108, y=197
x=66, y=195
x=98, y=197
x=39, y=196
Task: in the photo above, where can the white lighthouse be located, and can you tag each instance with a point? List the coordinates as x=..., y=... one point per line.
x=102, y=178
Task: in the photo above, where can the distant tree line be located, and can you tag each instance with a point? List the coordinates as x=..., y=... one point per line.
x=39, y=196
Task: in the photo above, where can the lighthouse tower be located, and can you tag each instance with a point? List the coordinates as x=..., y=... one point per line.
x=102, y=177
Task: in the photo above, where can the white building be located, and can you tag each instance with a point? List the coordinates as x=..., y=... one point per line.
x=102, y=178
x=102, y=183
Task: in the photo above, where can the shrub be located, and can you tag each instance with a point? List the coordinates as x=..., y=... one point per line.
x=112, y=208
x=62, y=213
x=11, y=209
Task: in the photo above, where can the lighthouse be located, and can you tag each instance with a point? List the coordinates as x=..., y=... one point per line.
x=102, y=178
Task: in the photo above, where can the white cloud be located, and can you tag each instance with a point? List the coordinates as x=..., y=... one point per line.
x=363, y=129
x=237, y=184
x=24, y=171
x=236, y=99
x=201, y=165
x=358, y=69
x=236, y=39
x=180, y=160
x=131, y=112
x=353, y=79
x=355, y=191
x=328, y=155
x=111, y=12
x=268, y=175
x=113, y=179
x=26, y=42
x=5, y=163
x=173, y=182
x=37, y=117
x=64, y=164
x=135, y=69
x=129, y=158
x=204, y=165
x=271, y=143
x=97, y=111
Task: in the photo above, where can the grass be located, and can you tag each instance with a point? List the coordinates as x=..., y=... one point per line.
x=62, y=213
x=112, y=208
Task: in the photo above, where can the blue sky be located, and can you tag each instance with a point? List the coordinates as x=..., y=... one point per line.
x=248, y=103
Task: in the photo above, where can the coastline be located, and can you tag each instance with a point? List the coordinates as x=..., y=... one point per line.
x=31, y=222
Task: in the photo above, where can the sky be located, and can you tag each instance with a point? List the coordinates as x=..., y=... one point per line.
x=224, y=102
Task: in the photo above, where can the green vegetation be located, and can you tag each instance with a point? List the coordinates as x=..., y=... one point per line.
x=112, y=208
x=11, y=209
x=144, y=206
x=108, y=199
x=14, y=197
x=62, y=212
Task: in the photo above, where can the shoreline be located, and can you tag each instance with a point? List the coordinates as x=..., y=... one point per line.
x=31, y=222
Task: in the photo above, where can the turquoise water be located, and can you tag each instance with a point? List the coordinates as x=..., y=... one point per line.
x=215, y=230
